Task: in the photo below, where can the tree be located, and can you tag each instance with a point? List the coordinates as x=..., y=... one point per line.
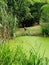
x=36, y=11
x=20, y=9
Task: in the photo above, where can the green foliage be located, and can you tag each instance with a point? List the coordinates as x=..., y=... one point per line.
x=19, y=13
x=45, y=19
x=8, y=22
x=36, y=11
x=5, y=55
x=18, y=57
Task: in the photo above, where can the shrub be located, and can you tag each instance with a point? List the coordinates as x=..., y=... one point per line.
x=45, y=29
x=8, y=21
x=45, y=19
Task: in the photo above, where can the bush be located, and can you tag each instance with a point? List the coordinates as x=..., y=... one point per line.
x=45, y=20
x=45, y=29
x=8, y=22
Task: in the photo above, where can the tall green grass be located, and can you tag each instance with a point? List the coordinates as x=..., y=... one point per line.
x=18, y=57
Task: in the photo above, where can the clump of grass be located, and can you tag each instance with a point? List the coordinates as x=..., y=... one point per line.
x=37, y=60
x=5, y=55
x=18, y=57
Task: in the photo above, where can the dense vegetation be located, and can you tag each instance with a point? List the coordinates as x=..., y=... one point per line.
x=20, y=13
x=16, y=19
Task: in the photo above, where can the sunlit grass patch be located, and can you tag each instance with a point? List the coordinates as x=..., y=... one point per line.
x=25, y=50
